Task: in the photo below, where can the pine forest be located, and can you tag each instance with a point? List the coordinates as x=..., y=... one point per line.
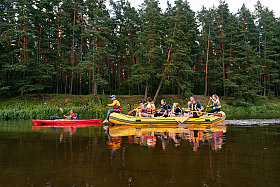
x=83, y=47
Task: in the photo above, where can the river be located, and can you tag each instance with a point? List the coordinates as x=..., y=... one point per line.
x=238, y=153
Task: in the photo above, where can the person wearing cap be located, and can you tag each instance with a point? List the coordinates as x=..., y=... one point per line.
x=71, y=116
x=116, y=107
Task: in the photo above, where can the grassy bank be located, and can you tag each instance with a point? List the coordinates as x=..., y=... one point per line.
x=88, y=106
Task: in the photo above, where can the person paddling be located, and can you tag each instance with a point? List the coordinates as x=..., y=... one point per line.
x=176, y=110
x=164, y=109
x=141, y=109
x=71, y=116
x=187, y=110
x=150, y=108
x=116, y=105
x=216, y=104
x=195, y=108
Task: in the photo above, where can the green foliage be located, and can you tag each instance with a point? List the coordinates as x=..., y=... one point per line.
x=81, y=47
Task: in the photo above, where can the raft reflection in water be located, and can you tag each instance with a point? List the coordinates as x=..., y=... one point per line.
x=197, y=136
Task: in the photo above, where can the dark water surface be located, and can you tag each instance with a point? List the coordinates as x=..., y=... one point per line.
x=240, y=153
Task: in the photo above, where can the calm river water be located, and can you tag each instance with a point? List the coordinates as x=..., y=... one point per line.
x=239, y=153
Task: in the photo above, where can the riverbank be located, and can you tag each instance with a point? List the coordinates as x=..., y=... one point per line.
x=33, y=106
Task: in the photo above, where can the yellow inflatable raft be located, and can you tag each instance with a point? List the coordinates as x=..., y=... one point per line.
x=206, y=119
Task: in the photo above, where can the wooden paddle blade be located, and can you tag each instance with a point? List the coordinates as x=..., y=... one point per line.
x=61, y=110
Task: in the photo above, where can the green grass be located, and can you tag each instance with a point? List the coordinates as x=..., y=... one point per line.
x=88, y=106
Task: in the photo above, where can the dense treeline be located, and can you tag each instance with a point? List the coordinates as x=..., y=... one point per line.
x=81, y=47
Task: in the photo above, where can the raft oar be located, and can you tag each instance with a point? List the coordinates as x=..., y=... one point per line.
x=207, y=105
x=62, y=112
x=134, y=109
x=130, y=112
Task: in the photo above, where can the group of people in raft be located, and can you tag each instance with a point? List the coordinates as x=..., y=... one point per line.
x=149, y=109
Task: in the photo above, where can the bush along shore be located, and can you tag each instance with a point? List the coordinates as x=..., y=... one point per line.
x=90, y=107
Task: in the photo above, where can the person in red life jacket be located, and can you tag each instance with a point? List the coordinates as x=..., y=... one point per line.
x=116, y=107
x=71, y=116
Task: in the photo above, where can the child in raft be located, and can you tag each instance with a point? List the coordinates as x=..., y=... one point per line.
x=216, y=104
x=176, y=111
x=140, y=109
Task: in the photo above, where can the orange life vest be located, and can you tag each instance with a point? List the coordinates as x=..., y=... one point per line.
x=153, y=111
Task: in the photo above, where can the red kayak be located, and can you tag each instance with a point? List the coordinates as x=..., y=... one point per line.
x=44, y=125
x=66, y=122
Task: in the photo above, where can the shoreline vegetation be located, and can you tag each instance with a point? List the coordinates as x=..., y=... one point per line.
x=34, y=106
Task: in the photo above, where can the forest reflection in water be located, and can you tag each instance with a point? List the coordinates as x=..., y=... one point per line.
x=197, y=136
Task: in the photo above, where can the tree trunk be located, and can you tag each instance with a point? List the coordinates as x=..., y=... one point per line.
x=224, y=71
x=57, y=83
x=81, y=56
x=165, y=69
x=65, y=87
x=58, y=50
x=88, y=82
x=146, y=91
x=264, y=77
x=207, y=61
x=72, y=53
x=8, y=22
x=156, y=95
x=223, y=56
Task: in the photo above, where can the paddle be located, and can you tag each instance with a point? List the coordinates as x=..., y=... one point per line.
x=107, y=107
x=207, y=105
x=134, y=109
x=62, y=112
x=130, y=112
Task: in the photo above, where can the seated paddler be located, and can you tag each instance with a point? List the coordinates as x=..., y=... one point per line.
x=176, y=110
x=195, y=109
x=164, y=110
x=141, y=109
x=216, y=104
x=116, y=107
x=150, y=108
x=71, y=115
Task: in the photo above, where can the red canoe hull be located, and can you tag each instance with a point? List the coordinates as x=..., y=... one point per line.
x=66, y=122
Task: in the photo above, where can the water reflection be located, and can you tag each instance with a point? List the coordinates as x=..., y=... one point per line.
x=247, y=155
x=197, y=136
x=63, y=128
